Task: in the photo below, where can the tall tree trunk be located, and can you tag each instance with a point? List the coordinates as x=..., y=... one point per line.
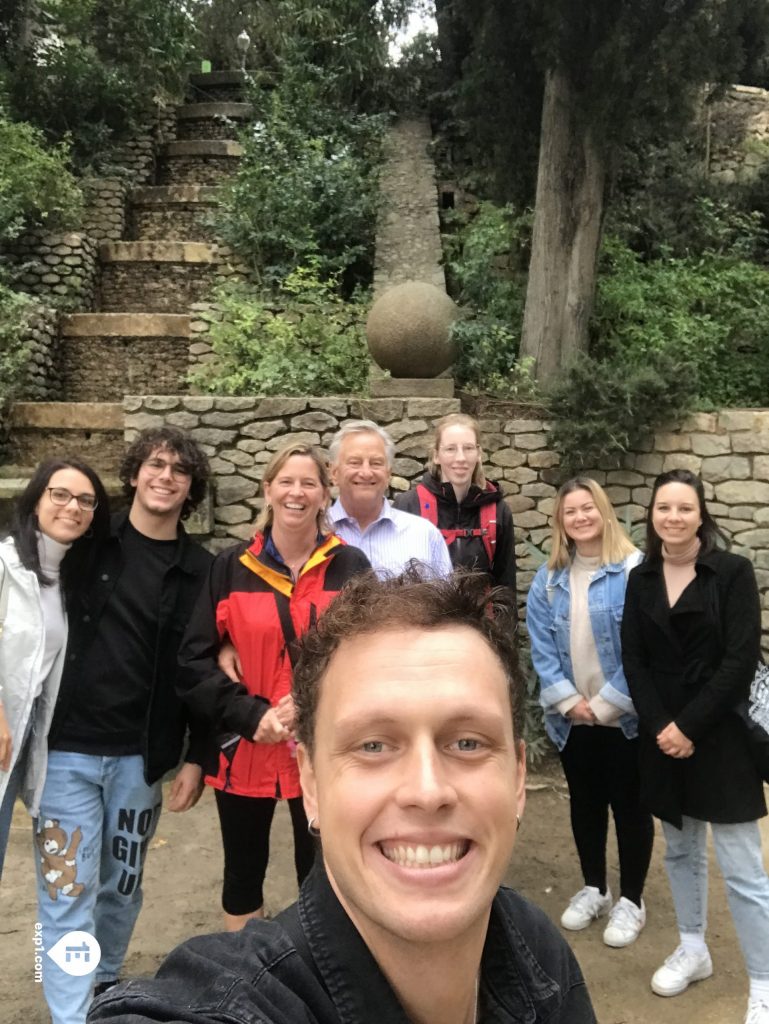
x=568, y=214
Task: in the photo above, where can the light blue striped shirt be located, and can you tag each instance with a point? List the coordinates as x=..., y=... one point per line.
x=393, y=540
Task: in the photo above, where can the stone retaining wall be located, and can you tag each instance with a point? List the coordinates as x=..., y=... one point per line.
x=105, y=208
x=739, y=134
x=729, y=449
x=43, y=380
x=61, y=268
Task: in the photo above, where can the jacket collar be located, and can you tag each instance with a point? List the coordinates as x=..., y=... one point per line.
x=512, y=980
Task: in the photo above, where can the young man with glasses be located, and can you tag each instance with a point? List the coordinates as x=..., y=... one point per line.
x=119, y=727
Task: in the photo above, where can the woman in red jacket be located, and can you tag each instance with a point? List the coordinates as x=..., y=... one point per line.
x=260, y=597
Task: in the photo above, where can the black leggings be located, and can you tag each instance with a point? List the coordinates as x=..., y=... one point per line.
x=245, y=822
x=601, y=769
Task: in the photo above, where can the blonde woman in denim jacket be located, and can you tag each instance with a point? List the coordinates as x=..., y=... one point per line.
x=574, y=614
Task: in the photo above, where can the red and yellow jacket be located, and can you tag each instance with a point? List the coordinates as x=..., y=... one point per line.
x=239, y=602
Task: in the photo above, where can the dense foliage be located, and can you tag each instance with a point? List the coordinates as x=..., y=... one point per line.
x=14, y=350
x=36, y=184
x=304, y=341
x=89, y=70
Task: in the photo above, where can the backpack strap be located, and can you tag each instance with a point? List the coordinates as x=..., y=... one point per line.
x=428, y=509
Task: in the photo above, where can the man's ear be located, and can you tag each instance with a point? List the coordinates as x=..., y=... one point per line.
x=520, y=781
x=308, y=781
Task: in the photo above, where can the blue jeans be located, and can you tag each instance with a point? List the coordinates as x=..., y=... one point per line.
x=97, y=817
x=738, y=851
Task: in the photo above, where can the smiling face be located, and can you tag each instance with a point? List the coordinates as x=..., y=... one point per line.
x=457, y=455
x=361, y=472
x=676, y=515
x=582, y=522
x=161, y=485
x=297, y=495
x=415, y=782
x=65, y=523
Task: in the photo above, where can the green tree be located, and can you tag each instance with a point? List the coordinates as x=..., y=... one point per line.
x=607, y=65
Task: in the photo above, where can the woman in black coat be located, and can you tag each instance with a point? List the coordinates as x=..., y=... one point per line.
x=691, y=641
x=468, y=509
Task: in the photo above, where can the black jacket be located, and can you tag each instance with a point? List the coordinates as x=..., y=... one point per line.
x=166, y=720
x=691, y=664
x=310, y=966
x=469, y=552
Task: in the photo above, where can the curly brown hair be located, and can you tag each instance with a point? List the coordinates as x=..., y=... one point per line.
x=191, y=456
x=368, y=604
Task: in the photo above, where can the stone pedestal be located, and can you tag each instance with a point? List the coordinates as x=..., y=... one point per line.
x=411, y=387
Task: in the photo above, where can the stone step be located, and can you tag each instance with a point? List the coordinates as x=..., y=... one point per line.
x=157, y=277
x=198, y=162
x=91, y=430
x=106, y=355
x=217, y=85
x=211, y=120
x=172, y=213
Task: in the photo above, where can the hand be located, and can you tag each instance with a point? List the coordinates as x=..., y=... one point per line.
x=672, y=742
x=271, y=730
x=582, y=713
x=286, y=712
x=229, y=662
x=186, y=787
x=6, y=741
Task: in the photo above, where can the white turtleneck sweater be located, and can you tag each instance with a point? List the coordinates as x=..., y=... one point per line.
x=54, y=621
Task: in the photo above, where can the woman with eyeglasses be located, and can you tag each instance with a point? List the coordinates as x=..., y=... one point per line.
x=62, y=512
x=468, y=509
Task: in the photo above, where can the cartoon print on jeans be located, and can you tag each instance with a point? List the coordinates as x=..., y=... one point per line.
x=57, y=864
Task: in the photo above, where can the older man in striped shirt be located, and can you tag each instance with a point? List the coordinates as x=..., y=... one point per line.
x=361, y=464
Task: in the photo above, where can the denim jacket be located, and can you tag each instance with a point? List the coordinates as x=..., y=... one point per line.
x=311, y=965
x=548, y=623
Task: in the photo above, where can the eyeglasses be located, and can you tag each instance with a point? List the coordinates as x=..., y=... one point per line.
x=157, y=466
x=61, y=496
x=466, y=449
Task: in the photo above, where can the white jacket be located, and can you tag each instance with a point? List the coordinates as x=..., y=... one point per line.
x=21, y=657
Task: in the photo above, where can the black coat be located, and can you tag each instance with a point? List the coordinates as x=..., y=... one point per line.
x=470, y=552
x=690, y=665
x=311, y=966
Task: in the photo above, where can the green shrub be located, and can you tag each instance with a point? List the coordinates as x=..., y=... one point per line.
x=486, y=264
x=307, y=186
x=601, y=408
x=711, y=312
x=14, y=350
x=36, y=185
x=303, y=341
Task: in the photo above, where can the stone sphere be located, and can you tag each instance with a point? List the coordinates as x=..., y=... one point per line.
x=408, y=330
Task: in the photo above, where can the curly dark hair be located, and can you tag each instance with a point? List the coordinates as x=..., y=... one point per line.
x=191, y=456
x=368, y=604
x=77, y=563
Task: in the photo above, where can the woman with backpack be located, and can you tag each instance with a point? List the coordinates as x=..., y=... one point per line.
x=468, y=509
x=574, y=614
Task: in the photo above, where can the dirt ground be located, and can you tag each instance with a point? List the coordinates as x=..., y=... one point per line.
x=182, y=883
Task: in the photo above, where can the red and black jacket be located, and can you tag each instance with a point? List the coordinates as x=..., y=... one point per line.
x=240, y=602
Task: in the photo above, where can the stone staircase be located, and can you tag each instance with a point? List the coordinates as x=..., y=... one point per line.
x=137, y=339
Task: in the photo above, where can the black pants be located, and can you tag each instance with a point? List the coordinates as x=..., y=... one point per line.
x=601, y=769
x=245, y=822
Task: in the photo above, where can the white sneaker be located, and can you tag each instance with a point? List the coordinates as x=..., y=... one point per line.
x=679, y=970
x=586, y=906
x=625, y=923
x=758, y=1012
